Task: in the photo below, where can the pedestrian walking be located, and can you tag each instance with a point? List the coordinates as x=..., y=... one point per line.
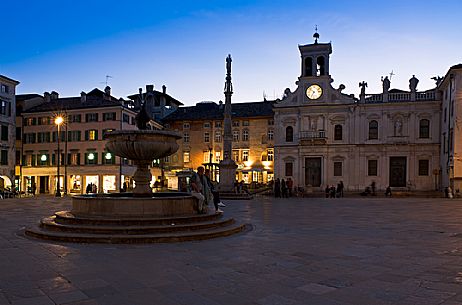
x=290, y=186
x=277, y=188
x=284, y=189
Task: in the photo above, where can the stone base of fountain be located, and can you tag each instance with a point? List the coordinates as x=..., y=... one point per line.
x=172, y=217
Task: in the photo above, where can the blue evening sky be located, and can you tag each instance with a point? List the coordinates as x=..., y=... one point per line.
x=70, y=46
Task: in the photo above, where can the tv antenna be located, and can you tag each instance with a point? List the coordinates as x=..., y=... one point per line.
x=107, y=79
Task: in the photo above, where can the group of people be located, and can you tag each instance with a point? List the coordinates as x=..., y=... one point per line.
x=282, y=188
x=371, y=190
x=334, y=192
x=240, y=187
x=91, y=188
x=203, y=189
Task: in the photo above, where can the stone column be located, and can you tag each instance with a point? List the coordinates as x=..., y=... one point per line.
x=142, y=178
x=227, y=165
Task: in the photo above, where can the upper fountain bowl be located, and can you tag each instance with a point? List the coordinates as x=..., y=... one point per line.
x=144, y=145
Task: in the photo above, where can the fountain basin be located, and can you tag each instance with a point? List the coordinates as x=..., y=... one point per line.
x=145, y=145
x=125, y=205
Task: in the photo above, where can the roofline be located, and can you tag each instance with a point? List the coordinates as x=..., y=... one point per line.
x=80, y=108
x=9, y=79
x=445, y=79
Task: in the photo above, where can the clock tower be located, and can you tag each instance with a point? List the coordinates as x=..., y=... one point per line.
x=315, y=78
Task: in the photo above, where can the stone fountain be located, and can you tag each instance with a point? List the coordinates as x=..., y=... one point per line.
x=141, y=216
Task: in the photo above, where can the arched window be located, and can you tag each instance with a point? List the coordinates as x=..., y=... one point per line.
x=338, y=133
x=289, y=134
x=321, y=65
x=308, y=66
x=373, y=130
x=424, y=129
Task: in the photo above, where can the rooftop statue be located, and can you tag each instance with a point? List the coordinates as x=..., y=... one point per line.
x=413, y=83
x=385, y=84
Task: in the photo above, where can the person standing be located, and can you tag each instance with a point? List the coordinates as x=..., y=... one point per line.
x=284, y=189
x=215, y=194
x=340, y=189
x=197, y=189
x=290, y=186
x=34, y=189
x=277, y=188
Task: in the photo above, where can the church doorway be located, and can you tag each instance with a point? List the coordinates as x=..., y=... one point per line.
x=313, y=171
x=398, y=171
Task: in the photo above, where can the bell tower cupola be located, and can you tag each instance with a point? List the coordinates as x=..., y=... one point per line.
x=315, y=58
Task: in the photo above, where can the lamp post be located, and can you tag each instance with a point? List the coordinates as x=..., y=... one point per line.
x=58, y=121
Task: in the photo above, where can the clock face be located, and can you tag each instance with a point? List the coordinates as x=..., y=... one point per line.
x=314, y=92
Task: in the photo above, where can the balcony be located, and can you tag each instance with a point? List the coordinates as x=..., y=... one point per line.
x=313, y=137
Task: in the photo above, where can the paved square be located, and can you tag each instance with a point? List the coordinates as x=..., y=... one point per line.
x=314, y=251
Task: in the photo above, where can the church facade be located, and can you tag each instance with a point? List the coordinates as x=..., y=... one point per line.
x=393, y=138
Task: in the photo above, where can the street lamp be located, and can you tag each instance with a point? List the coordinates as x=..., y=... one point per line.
x=58, y=121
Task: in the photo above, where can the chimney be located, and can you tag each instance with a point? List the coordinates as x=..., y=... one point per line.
x=83, y=97
x=149, y=88
x=46, y=96
x=54, y=95
x=107, y=90
x=164, y=89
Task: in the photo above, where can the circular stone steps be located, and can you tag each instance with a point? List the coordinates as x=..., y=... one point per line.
x=66, y=227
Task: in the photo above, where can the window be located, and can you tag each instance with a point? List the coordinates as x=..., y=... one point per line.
x=18, y=157
x=245, y=135
x=109, y=116
x=29, y=138
x=235, y=123
x=74, y=158
x=186, y=137
x=186, y=156
x=5, y=108
x=445, y=113
x=245, y=155
x=4, y=133
x=126, y=118
x=18, y=133
x=4, y=157
x=30, y=121
x=270, y=122
x=108, y=158
x=44, y=121
x=270, y=134
x=206, y=124
x=289, y=134
x=217, y=156
x=206, y=137
x=217, y=136
x=245, y=123
x=43, y=159
x=424, y=129
x=91, y=117
x=186, y=126
x=74, y=136
x=270, y=154
x=217, y=124
x=423, y=167
x=372, y=167
x=133, y=121
x=43, y=137
x=338, y=132
x=91, y=157
x=5, y=89
x=236, y=155
x=91, y=135
x=106, y=131
x=337, y=169
x=373, y=130
x=445, y=144
x=289, y=168
x=75, y=118
x=206, y=156
x=235, y=135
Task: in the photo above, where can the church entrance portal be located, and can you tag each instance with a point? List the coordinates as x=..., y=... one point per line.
x=313, y=171
x=397, y=171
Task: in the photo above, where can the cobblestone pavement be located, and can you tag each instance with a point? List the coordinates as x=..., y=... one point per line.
x=300, y=251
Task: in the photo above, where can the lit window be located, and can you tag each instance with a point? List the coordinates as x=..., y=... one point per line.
x=206, y=156
x=270, y=155
x=91, y=156
x=235, y=135
x=43, y=158
x=245, y=155
x=92, y=135
x=108, y=156
x=186, y=156
x=217, y=156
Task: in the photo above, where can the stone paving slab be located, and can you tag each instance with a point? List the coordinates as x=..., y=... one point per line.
x=316, y=251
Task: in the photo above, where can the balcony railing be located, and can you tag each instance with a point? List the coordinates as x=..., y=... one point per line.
x=401, y=97
x=308, y=135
